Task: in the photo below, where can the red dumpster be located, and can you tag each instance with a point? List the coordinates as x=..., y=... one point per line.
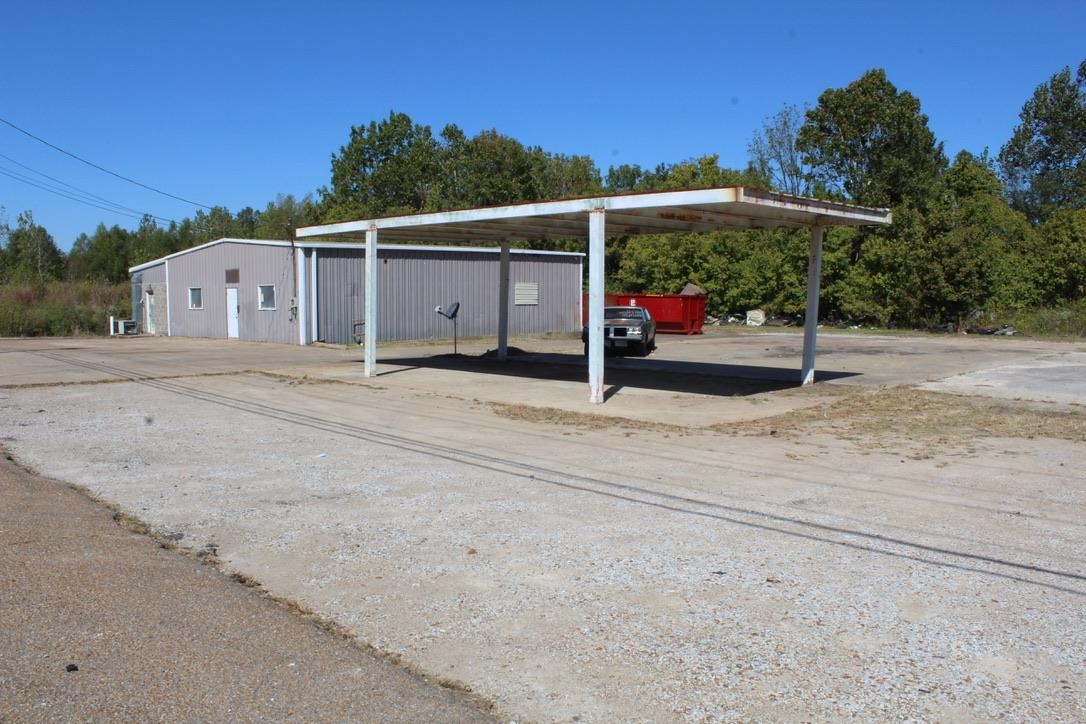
x=609, y=300
x=674, y=313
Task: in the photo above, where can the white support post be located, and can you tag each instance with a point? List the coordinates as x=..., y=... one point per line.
x=810, y=321
x=301, y=311
x=596, y=236
x=370, y=366
x=503, y=301
x=169, y=330
x=313, y=288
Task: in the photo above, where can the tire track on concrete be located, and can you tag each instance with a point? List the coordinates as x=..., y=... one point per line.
x=890, y=546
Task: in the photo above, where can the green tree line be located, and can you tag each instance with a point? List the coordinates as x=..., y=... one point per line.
x=971, y=236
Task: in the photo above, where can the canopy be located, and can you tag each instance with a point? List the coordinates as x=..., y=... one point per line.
x=594, y=219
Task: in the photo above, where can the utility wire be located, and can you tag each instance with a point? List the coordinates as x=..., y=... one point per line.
x=100, y=168
x=81, y=195
x=43, y=187
x=112, y=208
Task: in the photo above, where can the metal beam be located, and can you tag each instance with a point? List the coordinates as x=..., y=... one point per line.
x=369, y=368
x=810, y=321
x=661, y=212
x=596, y=237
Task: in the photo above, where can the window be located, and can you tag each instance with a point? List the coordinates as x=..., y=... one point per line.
x=196, y=298
x=266, y=295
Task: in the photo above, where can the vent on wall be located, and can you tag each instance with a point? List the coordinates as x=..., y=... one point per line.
x=232, y=276
x=526, y=294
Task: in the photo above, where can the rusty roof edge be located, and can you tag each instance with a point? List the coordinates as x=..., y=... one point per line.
x=819, y=212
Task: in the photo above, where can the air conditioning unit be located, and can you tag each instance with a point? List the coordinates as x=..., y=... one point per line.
x=119, y=327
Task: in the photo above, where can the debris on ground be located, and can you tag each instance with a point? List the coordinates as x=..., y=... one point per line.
x=509, y=352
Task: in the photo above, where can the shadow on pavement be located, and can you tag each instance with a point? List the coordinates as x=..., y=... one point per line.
x=700, y=378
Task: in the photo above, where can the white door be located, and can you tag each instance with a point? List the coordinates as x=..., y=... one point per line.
x=149, y=313
x=232, y=313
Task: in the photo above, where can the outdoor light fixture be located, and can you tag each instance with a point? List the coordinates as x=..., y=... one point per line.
x=450, y=313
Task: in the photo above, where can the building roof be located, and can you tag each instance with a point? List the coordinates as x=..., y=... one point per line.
x=347, y=245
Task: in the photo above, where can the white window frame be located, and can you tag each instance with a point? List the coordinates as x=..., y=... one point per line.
x=260, y=298
x=201, y=292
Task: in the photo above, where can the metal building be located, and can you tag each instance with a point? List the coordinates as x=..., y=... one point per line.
x=276, y=291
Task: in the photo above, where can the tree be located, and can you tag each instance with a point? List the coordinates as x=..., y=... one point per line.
x=871, y=143
x=150, y=241
x=281, y=217
x=563, y=177
x=218, y=223
x=775, y=157
x=5, y=235
x=1044, y=162
x=1063, y=235
x=490, y=169
x=30, y=254
x=103, y=257
x=971, y=176
x=625, y=178
x=386, y=168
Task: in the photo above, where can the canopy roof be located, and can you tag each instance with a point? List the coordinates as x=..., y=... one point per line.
x=594, y=219
x=734, y=207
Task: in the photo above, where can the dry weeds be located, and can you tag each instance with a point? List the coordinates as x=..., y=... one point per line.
x=585, y=420
x=918, y=422
x=922, y=420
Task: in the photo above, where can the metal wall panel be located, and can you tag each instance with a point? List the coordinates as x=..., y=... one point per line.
x=340, y=293
x=257, y=265
x=411, y=283
x=154, y=274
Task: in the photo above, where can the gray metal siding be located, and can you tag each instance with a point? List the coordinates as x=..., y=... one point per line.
x=559, y=280
x=411, y=283
x=206, y=269
x=340, y=293
x=154, y=274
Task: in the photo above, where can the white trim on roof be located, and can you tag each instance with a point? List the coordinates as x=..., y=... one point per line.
x=348, y=245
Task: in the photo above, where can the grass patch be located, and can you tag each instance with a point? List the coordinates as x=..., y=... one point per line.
x=61, y=309
x=1064, y=322
x=584, y=420
x=130, y=522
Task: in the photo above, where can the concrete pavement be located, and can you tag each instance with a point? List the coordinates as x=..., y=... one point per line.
x=99, y=623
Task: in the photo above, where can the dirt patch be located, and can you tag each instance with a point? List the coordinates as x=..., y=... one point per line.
x=585, y=420
x=129, y=378
x=906, y=416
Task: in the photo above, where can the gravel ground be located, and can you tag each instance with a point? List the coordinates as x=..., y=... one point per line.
x=612, y=574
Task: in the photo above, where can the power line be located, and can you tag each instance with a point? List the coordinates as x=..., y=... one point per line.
x=100, y=168
x=9, y=174
x=80, y=195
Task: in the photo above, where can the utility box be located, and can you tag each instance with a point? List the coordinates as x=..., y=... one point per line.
x=674, y=313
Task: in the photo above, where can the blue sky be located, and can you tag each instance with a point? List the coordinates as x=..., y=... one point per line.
x=231, y=103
